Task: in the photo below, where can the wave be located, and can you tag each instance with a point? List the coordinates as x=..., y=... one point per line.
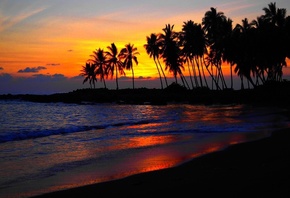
x=241, y=121
x=25, y=135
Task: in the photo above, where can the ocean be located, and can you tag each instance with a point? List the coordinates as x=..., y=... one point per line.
x=46, y=147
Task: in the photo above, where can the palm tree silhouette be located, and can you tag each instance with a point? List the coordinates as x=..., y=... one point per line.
x=200, y=44
x=269, y=36
x=275, y=22
x=227, y=46
x=213, y=23
x=99, y=59
x=193, y=43
x=275, y=15
x=188, y=49
x=287, y=33
x=153, y=50
x=88, y=71
x=258, y=51
x=113, y=63
x=171, y=53
x=129, y=55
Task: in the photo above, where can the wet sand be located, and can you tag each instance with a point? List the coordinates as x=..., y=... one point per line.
x=259, y=168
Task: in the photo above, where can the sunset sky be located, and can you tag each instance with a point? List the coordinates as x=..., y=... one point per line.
x=44, y=44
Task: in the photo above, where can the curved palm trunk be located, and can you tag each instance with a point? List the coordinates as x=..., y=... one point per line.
x=105, y=84
x=117, y=83
x=184, y=81
x=133, y=78
x=260, y=76
x=90, y=84
x=231, y=69
x=213, y=79
x=162, y=72
x=190, y=76
x=159, y=74
x=242, y=83
x=94, y=84
x=250, y=80
x=194, y=73
x=199, y=59
x=175, y=79
x=199, y=74
x=221, y=75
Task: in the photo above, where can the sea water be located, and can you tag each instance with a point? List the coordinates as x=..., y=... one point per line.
x=46, y=147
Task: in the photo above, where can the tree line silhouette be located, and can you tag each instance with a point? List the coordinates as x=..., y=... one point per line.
x=256, y=51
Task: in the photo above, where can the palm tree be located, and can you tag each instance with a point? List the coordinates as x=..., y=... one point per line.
x=171, y=52
x=193, y=42
x=287, y=32
x=129, y=55
x=275, y=15
x=100, y=61
x=212, y=24
x=276, y=20
x=187, y=41
x=113, y=63
x=242, y=51
x=153, y=50
x=228, y=46
x=88, y=71
x=200, y=44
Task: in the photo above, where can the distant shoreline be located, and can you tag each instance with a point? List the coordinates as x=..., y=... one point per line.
x=274, y=94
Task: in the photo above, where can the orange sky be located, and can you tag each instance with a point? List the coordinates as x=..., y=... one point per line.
x=58, y=38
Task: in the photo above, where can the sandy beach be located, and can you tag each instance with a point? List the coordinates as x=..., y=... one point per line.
x=254, y=169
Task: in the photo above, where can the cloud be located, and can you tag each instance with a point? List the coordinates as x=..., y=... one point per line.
x=52, y=64
x=144, y=78
x=77, y=77
x=70, y=50
x=39, y=84
x=48, y=77
x=32, y=69
x=5, y=77
x=125, y=78
x=58, y=76
x=1, y=68
x=9, y=21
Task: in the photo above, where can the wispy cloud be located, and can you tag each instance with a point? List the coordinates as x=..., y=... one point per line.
x=52, y=64
x=9, y=21
x=234, y=6
x=42, y=77
x=32, y=69
x=1, y=68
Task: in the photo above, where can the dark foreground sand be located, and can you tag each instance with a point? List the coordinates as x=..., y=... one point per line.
x=254, y=169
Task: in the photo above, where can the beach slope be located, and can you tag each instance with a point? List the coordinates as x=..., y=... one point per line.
x=254, y=169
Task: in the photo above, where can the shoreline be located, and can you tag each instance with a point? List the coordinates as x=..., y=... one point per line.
x=257, y=168
x=276, y=94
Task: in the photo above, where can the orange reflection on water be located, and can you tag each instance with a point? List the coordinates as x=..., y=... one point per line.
x=157, y=157
x=144, y=141
x=157, y=162
x=148, y=127
x=213, y=114
x=149, y=141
